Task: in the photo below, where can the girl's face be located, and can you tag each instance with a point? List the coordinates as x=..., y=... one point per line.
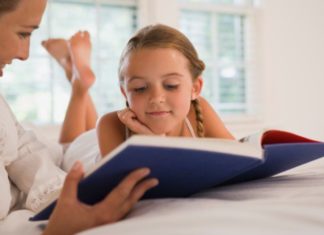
x=16, y=28
x=159, y=88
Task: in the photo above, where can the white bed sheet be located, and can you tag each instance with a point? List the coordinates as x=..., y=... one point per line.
x=290, y=203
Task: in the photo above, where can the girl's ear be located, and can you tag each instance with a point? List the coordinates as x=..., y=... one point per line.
x=196, y=88
x=122, y=91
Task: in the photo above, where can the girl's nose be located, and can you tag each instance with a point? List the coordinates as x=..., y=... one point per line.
x=157, y=96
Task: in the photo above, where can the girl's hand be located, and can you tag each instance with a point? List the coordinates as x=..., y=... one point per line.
x=71, y=216
x=129, y=119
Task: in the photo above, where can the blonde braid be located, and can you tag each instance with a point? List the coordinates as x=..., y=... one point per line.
x=199, y=118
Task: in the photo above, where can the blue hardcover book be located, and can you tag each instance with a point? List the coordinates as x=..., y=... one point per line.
x=185, y=166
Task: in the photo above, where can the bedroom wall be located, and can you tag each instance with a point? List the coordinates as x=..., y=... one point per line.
x=292, y=64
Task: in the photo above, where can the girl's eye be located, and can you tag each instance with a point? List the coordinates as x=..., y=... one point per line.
x=171, y=86
x=24, y=35
x=139, y=89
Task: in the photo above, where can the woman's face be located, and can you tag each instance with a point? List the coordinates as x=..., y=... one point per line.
x=16, y=28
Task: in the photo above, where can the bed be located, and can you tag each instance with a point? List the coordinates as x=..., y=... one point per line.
x=289, y=203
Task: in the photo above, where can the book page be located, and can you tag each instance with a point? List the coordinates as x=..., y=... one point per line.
x=254, y=138
x=203, y=144
x=273, y=136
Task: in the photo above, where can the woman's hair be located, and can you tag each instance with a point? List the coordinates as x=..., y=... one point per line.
x=8, y=5
x=162, y=36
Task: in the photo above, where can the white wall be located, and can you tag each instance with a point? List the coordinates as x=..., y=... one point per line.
x=158, y=11
x=292, y=59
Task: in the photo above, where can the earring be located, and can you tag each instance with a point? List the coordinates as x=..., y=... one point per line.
x=127, y=105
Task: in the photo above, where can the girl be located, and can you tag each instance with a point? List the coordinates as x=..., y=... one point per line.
x=160, y=77
x=25, y=163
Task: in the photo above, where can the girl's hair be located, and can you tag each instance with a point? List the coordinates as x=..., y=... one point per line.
x=162, y=36
x=8, y=5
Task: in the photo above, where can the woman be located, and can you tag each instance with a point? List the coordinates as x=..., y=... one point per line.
x=25, y=161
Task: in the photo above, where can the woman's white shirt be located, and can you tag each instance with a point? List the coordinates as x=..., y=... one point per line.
x=26, y=164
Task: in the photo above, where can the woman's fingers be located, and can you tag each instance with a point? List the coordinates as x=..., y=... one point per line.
x=118, y=203
x=70, y=187
x=123, y=190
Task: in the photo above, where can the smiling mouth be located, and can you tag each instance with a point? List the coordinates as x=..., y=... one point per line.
x=159, y=113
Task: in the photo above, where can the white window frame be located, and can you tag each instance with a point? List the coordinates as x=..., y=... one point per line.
x=168, y=12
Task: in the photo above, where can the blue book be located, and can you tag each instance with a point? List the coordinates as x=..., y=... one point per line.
x=185, y=166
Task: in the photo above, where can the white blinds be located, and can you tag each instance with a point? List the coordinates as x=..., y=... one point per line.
x=223, y=38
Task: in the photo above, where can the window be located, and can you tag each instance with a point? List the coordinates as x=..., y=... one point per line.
x=219, y=29
x=37, y=89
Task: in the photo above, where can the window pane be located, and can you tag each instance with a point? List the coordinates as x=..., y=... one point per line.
x=219, y=39
x=230, y=38
x=28, y=95
x=198, y=31
x=231, y=56
x=116, y=26
x=232, y=82
x=112, y=19
x=64, y=19
x=110, y=27
x=37, y=89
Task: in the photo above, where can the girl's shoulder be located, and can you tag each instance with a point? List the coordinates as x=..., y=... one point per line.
x=110, y=131
x=108, y=117
x=111, y=122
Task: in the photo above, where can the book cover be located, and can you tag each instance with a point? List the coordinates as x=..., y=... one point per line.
x=185, y=166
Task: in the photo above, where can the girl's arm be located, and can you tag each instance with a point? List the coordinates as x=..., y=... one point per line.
x=130, y=120
x=214, y=126
x=111, y=129
x=110, y=133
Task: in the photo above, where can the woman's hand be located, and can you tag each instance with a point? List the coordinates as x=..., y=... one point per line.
x=130, y=120
x=71, y=216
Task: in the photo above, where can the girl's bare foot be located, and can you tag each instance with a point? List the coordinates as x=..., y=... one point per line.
x=80, y=50
x=58, y=48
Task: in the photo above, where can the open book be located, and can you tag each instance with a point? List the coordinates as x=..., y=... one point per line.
x=185, y=166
